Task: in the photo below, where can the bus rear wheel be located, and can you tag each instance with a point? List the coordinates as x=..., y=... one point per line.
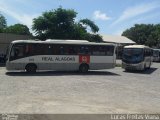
x=31, y=68
x=83, y=68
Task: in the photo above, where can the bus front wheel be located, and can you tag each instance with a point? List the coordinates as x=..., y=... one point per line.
x=83, y=68
x=31, y=68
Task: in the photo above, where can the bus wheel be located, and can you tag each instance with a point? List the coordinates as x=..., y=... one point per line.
x=126, y=69
x=83, y=68
x=31, y=68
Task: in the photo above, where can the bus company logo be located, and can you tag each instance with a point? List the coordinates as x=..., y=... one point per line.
x=84, y=59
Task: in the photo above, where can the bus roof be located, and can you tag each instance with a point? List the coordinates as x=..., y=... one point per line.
x=61, y=42
x=156, y=49
x=136, y=46
x=54, y=40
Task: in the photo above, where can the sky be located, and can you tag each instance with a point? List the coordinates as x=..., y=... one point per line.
x=111, y=16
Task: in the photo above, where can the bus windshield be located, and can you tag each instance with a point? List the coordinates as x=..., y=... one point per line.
x=17, y=51
x=133, y=55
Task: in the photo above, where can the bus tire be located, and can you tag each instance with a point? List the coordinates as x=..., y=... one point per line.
x=31, y=68
x=126, y=69
x=83, y=68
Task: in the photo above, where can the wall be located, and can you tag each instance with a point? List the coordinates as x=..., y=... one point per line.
x=7, y=38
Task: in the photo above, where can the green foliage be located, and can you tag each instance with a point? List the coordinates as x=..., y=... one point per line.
x=60, y=24
x=94, y=28
x=147, y=34
x=18, y=29
x=55, y=24
x=94, y=38
x=3, y=22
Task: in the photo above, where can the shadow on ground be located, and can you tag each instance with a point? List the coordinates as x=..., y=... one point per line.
x=60, y=73
x=147, y=71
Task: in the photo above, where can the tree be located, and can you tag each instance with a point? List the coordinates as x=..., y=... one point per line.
x=19, y=29
x=147, y=34
x=87, y=22
x=3, y=22
x=60, y=24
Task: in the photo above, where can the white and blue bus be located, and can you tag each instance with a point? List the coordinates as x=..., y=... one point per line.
x=156, y=55
x=60, y=55
x=137, y=57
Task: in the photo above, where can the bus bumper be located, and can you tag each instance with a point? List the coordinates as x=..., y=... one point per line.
x=8, y=67
x=138, y=66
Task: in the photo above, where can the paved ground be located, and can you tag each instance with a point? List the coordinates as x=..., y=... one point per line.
x=106, y=91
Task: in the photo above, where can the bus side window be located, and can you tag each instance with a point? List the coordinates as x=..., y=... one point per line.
x=71, y=50
x=28, y=50
x=84, y=50
x=148, y=52
x=98, y=50
x=95, y=50
x=102, y=50
x=55, y=50
x=81, y=50
x=87, y=50
x=109, y=50
x=151, y=52
x=51, y=50
x=40, y=49
x=145, y=52
x=61, y=50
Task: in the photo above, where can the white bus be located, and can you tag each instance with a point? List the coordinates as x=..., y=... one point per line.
x=156, y=55
x=137, y=57
x=61, y=55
